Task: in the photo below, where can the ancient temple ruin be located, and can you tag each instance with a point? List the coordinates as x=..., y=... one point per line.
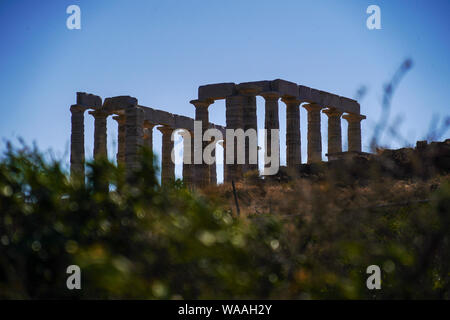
x=136, y=123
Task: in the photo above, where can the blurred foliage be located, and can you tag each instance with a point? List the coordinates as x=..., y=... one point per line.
x=133, y=238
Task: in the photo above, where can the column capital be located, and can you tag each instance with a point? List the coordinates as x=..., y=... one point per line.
x=333, y=112
x=78, y=108
x=202, y=103
x=312, y=107
x=270, y=95
x=353, y=117
x=292, y=101
x=99, y=113
x=165, y=129
x=120, y=118
x=149, y=125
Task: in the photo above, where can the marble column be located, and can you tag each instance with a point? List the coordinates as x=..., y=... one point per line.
x=188, y=157
x=202, y=114
x=235, y=120
x=100, y=133
x=225, y=167
x=314, y=133
x=148, y=135
x=120, y=139
x=334, y=130
x=77, y=140
x=167, y=165
x=134, y=127
x=354, y=131
x=293, y=141
x=250, y=121
x=212, y=171
x=271, y=120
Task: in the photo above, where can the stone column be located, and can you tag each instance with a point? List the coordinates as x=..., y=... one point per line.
x=148, y=134
x=354, y=131
x=134, y=127
x=120, y=139
x=167, y=165
x=235, y=120
x=271, y=119
x=293, y=141
x=77, y=140
x=225, y=167
x=250, y=121
x=188, y=145
x=100, y=134
x=314, y=134
x=334, y=130
x=212, y=171
x=201, y=114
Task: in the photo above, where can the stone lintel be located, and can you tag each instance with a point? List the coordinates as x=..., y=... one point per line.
x=216, y=91
x=248, y=89
x=263, y=85
x=89, y=100
x=270, y=95
x=331, y=100
x=119, y=103
x=317, y=97
x=284, y=88
x=304, y=93
x=350, y=105
x=202, y=103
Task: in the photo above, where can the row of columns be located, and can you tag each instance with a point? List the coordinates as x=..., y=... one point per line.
x=241, y=113
x=133, y=133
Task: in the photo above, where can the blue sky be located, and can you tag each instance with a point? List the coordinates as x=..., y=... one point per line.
x=161, y=51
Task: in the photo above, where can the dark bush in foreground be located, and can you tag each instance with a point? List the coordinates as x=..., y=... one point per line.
x=136, y=239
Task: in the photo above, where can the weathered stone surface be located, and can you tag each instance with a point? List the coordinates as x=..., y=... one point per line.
x=271, y=121
x=262, y=85
x=202, y=114
x=119, y=103
x=331, y=100
x=134, y=122
x=293, y=141
x=148, y=134
x=317, y=97
x=314, y=133
x=354, y=131
x=349, y=105
x=284, y=88
x=235, y=120
x=167, y=165
x=216, y=91
x=120, y=139
x=250, y=122
x=188, y=157
x=89, y=100
x=304, y=93
x=77, y=140
x=100, y=134
x=334, y=131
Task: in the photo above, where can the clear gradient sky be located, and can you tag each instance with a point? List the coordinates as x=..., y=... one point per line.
x=161, y=51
